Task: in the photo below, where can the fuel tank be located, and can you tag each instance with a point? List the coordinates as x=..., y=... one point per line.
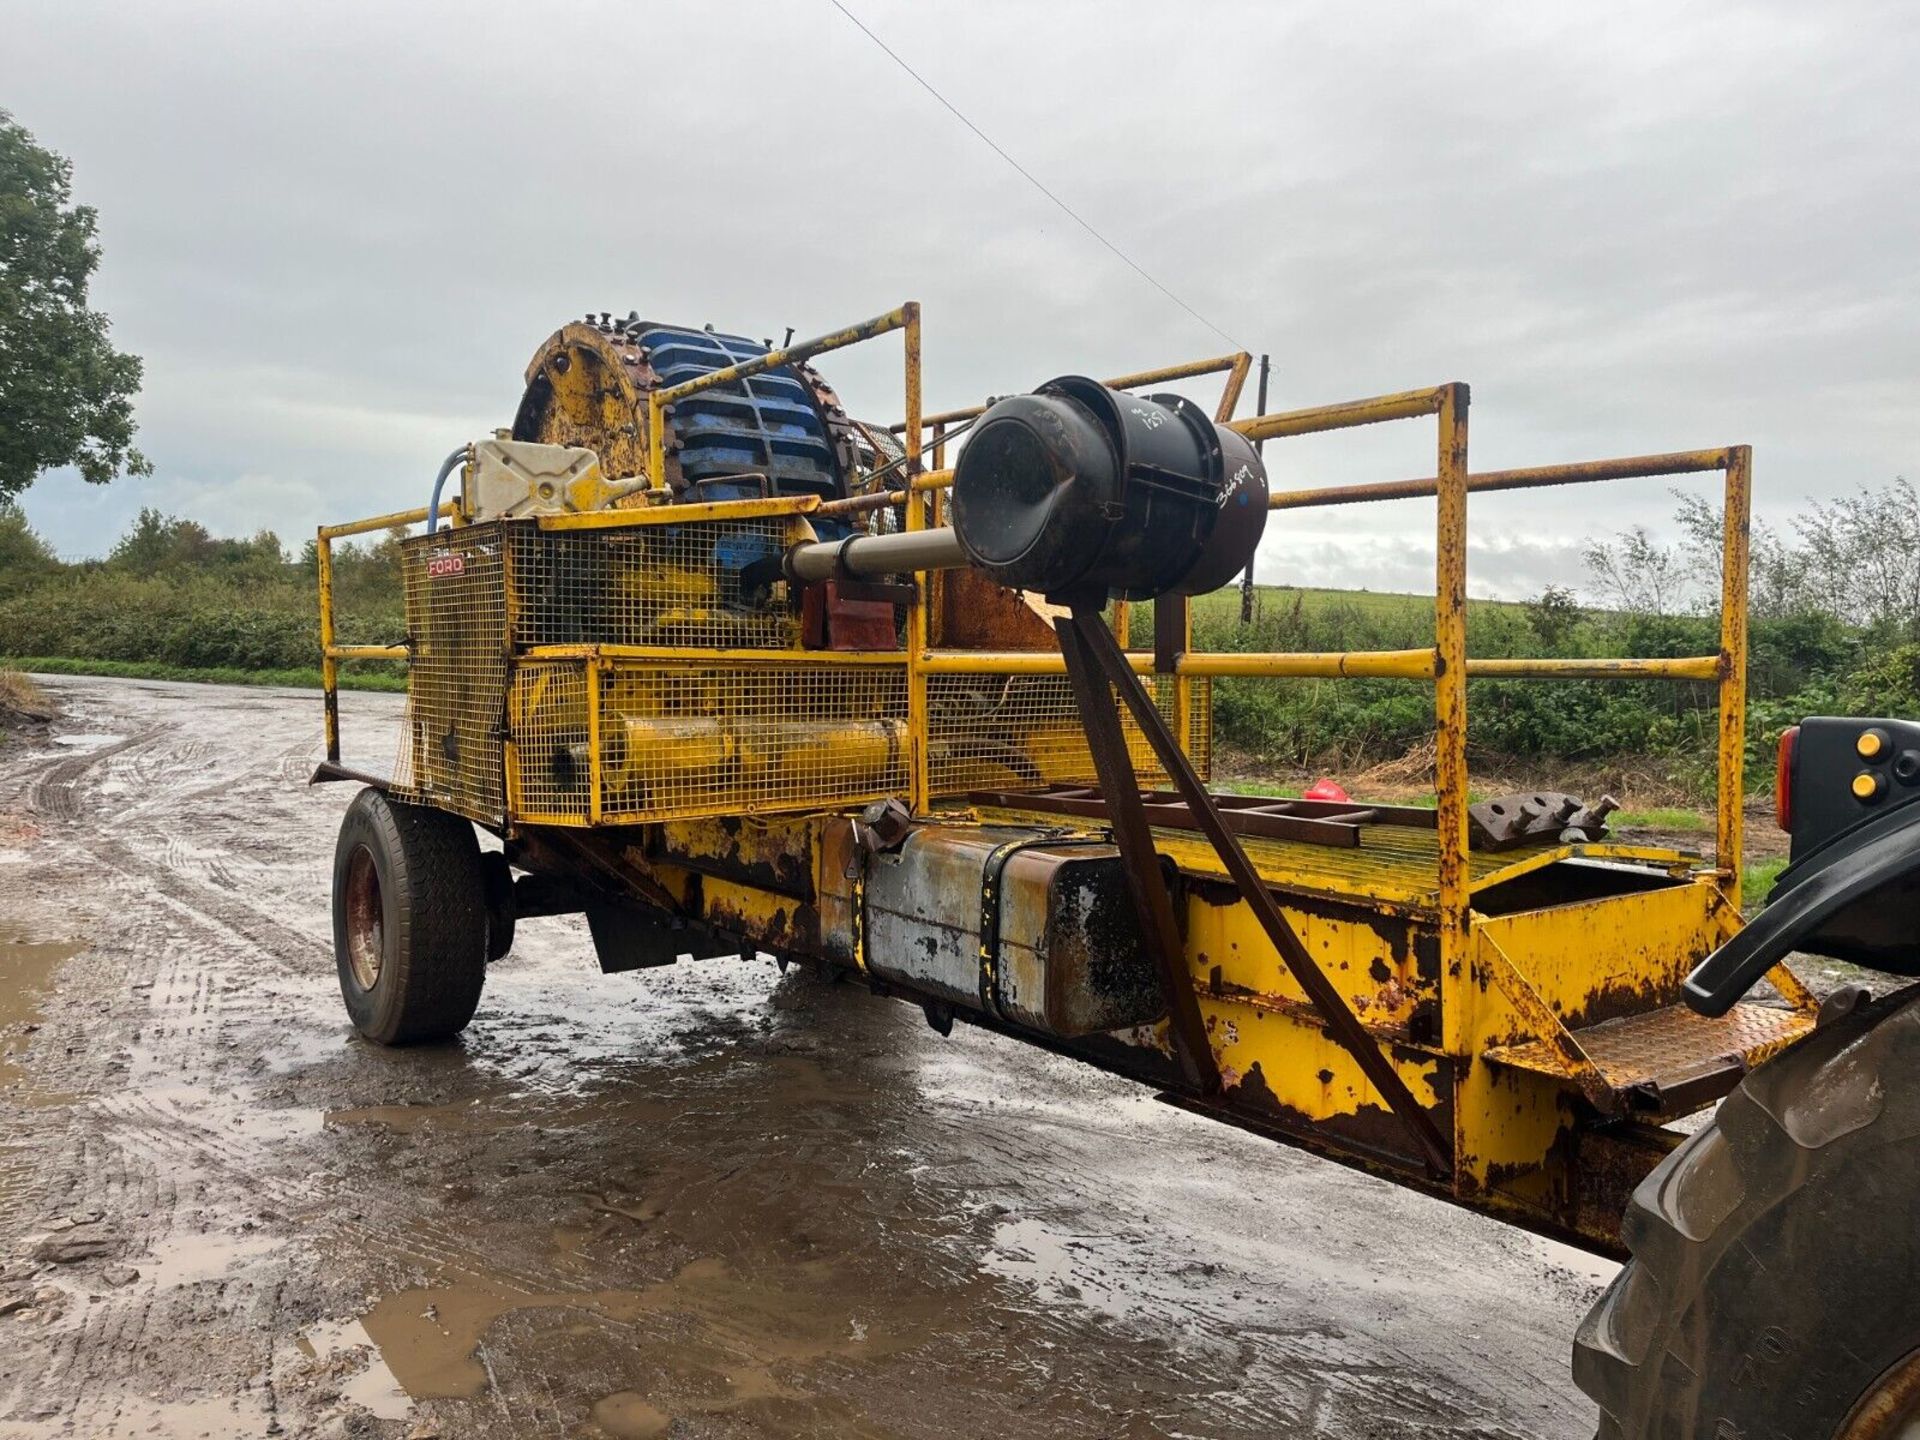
x=1025, y=926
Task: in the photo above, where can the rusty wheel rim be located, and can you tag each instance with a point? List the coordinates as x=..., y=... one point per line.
x=365, y=919
x=1891, y=1409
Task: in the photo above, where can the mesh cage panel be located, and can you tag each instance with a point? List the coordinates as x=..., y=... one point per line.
x=679, y=738
x=680, y=741
x=547, y=710
x=700, y=741
x=450, y=749
x=1020, y=732
x=658, y=585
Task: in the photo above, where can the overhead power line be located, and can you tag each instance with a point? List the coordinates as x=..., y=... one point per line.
x=1032, y=179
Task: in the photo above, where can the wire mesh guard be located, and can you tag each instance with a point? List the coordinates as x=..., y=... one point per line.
x=450, y=747
x=678, y=741
x=670, y=586
x=676, y=736
x=1014, y=732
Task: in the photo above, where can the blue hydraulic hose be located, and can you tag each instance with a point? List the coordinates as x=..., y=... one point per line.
x=446, y=469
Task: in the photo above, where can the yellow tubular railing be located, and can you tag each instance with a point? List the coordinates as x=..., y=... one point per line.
x=1235, y=366
x=331, y=652
x=1451, y=486
x=905, y=317
x=1445, y=664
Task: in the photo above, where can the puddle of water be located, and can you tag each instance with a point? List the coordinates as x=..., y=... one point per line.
x=428, y=1337
x=627, y=1415
x=1039, y=1256
x=192, y=1259
x=26, y=972
x=373, y=1385
x=462, y=1115
x=84, y=740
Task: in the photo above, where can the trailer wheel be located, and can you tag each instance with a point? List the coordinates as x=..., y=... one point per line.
x=409, y=920
x=1770, y=1294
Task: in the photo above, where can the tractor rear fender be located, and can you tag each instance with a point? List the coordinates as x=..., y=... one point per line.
x=1855, y=898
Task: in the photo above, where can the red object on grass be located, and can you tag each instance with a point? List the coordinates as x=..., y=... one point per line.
x=1326, y=790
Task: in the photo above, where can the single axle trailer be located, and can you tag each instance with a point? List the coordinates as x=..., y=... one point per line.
x=730, y=672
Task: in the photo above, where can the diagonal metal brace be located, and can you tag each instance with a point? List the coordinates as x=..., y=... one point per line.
x=1093, y=642
x=1146, y=883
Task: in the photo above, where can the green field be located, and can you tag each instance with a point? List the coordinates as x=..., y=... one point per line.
x=1224, y=605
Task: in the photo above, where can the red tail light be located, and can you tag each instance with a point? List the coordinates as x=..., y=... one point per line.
x=1783, y=779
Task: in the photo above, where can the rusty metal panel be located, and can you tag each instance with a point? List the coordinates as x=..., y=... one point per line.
x=1068, y=959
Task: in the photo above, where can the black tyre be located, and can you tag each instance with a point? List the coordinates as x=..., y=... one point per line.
x=1772, y=1290
x=497, y=880
x=409, y=920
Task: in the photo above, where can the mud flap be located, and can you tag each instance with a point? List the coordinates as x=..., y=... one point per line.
x=626, y=937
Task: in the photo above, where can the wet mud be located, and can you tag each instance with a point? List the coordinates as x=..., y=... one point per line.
x=707, y=1201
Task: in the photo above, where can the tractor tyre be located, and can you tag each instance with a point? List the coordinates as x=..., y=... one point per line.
x=1771, y=1293
x=497, y=879
x=409, y=920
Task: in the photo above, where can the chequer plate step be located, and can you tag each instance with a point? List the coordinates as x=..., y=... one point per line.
x=1670, y=1048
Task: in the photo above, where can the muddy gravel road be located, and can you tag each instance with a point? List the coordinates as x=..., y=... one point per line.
x=709, y=1201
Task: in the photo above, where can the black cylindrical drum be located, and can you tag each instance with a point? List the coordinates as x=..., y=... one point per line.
x=1077, y=488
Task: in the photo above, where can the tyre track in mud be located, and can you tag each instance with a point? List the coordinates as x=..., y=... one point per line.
x=211, y=866
x=125, y=1163
x=127, y=1175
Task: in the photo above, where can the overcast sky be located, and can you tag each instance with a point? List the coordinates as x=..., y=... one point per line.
x=337, y=232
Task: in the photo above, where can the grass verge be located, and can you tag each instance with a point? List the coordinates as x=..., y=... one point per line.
x=22, y=701
x=298, y=678
x=1664, y=817
x=1756, y=880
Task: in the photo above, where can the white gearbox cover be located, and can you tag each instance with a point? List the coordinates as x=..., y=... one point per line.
x=521, y=477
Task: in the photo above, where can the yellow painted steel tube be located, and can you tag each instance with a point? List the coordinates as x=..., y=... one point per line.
x=365, y=652
x=1403, y=406
x=1692, y=667
x=1332, y=665
x=1230, y=393
x=706, y=659
x=682, y=514
x=658, y=400
x=329, y=668
x=1373, y=664
x=596, y=787
x=1632, y=467
x=919, y=759
x=384, y=522
x=1735, y=560
x=1185, y=371
x=1450, y=717
x=1355, y=664
x=881, y=499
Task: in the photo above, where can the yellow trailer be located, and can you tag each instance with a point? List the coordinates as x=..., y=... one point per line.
x=776, y=685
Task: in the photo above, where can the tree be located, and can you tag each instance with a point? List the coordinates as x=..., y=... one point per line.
x=1637, y=575
x=1863, y=557
x=66, y=395
x=1553, y=613
x=25, y=559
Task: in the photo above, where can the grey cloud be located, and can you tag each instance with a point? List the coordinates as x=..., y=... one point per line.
x=336, y=232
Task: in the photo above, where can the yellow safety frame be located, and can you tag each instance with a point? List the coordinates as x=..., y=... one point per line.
x=1524, y=1004
x=1446, y=664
